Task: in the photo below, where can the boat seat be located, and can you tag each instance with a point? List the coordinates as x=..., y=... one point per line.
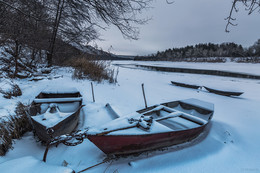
x=58, y=100
x=177, y=113
x=186, y=116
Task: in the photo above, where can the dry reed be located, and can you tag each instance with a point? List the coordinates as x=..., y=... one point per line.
x=13, y=127
x=95, y=70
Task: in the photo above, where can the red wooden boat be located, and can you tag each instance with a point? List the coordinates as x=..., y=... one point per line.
x=55, y=112
x=155, y=127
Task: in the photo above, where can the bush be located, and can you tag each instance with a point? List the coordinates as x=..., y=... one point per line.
x=14, y=91
x=96, y=70
x=13, y=127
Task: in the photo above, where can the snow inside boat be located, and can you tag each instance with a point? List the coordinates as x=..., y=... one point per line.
x=55, y=111
x=155, y=127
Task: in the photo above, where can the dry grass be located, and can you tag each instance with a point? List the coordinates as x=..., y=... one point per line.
x=13, y=127
x=95, y=70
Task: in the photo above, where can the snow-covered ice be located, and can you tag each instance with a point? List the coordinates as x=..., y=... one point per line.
x=232, y=143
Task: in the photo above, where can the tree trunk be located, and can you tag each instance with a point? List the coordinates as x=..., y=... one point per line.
x=32, y=57
x=54, y=32
x=16, y=54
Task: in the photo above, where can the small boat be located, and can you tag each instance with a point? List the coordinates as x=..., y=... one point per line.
x=224, y=93
x=185, y=85
x=55, y=112
x=154, y=127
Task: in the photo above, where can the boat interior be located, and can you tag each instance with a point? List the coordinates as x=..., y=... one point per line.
x=178, y=115
x=63, y=104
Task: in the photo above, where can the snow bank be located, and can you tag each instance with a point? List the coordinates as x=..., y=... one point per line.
x=31, y=164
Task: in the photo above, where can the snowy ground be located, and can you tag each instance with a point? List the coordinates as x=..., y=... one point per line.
x=232, y=144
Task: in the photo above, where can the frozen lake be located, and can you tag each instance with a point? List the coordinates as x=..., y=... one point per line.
x=232, y=144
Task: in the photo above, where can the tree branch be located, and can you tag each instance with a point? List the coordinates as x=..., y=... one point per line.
x=17, y=9
x=230, y=19
x=251, y=6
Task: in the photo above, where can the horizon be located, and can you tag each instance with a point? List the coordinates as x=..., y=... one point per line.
x=184, y=47
x=181, y=24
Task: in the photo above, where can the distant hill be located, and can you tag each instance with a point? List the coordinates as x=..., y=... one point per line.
x=125, y=57
x=207, y=52
x=103, y=55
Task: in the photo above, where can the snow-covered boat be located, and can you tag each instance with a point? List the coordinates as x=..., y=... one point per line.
x=155, y=127
x=185, y=85
x=55, y=111
x=222, y=92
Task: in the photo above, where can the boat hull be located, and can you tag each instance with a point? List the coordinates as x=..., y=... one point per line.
x=69, y=102
x=131, y=144
x=185, y=85
x=224, y=93
x=64, y=127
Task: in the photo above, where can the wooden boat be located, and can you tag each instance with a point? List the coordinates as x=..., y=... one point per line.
x=224, y=93
x=185, y=85
x=155, y=127
x=55, y=112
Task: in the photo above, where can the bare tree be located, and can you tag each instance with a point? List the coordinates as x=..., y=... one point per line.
x=19, y=31
x=250, y=6
x=78, y=21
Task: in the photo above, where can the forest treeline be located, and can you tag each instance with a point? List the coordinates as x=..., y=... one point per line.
x=207, y=52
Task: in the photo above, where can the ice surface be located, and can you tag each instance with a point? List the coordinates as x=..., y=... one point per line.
x=252, y=68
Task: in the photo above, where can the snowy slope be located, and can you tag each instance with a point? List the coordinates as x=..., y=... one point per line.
x=232, y=143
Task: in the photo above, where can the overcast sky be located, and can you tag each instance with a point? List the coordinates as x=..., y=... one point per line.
x=185, y=22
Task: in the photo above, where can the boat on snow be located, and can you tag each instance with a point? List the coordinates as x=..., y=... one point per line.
x=185, y=85
x=154, y=127
x=211, y=90
x=222, y=92
x=55, y=111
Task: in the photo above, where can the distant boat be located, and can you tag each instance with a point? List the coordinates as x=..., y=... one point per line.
x=185, y=85
x=55, y=112
x=224, y=93
x=155, y=127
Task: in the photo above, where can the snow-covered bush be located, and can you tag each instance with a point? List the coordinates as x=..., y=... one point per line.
x=13, y=127
x=11, y=90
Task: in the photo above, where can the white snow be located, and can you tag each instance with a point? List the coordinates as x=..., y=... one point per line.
x=199, y=103
x=50, y=119
x=123, y=123
x=30, y=164
x=63, y=107
x=51, y=100
x=231, y=145
x=60, y=90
